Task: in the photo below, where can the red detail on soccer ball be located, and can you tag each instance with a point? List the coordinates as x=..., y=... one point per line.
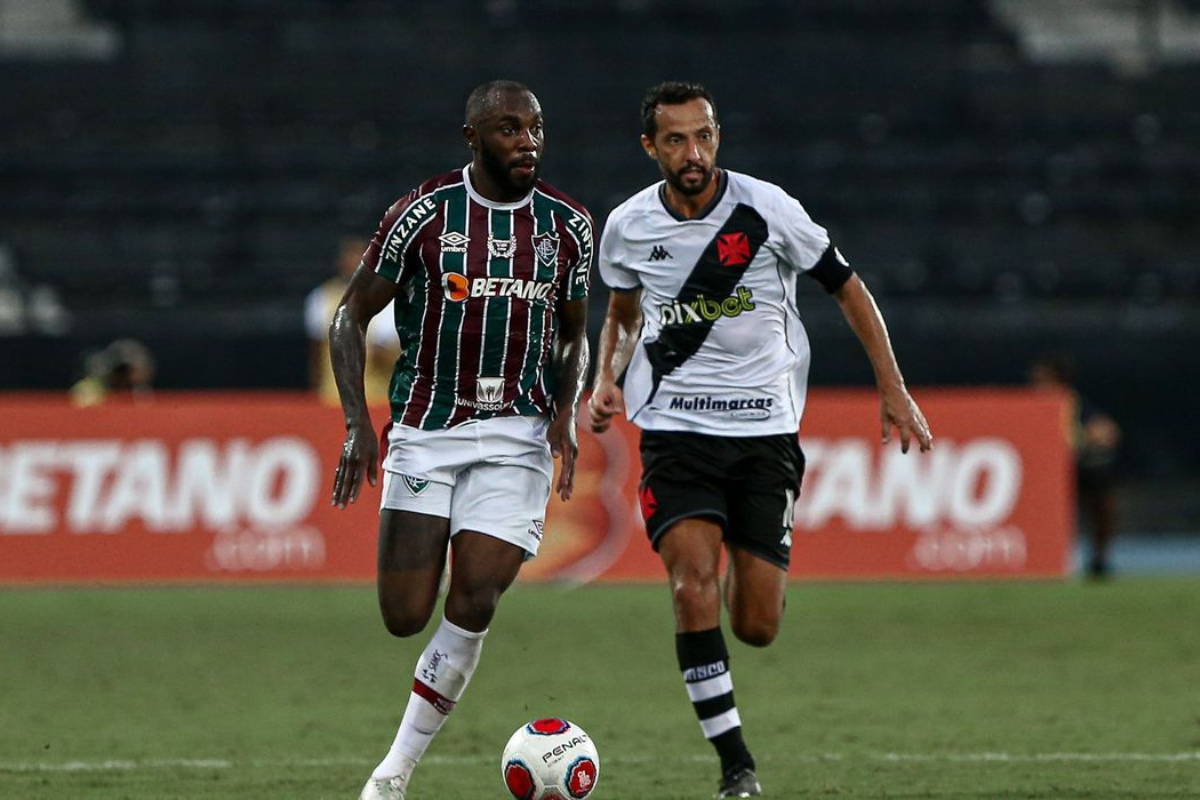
x=648, y=503
x=733, y=249
x=581, y=778
x=549, y=726
x=519, y=780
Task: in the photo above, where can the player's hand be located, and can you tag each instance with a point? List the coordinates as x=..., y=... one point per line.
x=360, y=455
x=898, y=410
x=606, y=402
x=564, y=444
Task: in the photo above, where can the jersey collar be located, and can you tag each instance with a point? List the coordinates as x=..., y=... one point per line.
x=718, y=196
x=483, y=201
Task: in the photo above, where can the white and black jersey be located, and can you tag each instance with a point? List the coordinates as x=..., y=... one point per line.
x=723, y=350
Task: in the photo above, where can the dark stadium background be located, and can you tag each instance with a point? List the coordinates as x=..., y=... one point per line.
x=181, y=171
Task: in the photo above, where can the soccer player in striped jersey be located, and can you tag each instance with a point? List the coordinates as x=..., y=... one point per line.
x=487, y=267
x=703, y=267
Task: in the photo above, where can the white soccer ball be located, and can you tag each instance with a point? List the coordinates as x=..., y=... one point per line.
x=550, y=759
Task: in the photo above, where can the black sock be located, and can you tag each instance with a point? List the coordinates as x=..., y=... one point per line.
x=704, y=662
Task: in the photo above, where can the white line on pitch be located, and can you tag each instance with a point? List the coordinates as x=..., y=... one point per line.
x=223, y=764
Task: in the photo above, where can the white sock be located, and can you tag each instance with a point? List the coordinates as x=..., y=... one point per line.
x=442, y=674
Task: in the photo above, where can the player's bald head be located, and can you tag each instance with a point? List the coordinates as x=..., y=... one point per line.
x=485, y=98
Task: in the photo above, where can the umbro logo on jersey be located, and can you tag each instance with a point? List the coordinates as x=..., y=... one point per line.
x=415, y=485
x=454, y=242
x=733, y=249
x=659, y=253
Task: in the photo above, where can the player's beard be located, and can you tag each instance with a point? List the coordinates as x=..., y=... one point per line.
x=676, y=180
x=503, y=176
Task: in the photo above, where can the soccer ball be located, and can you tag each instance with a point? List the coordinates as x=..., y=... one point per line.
x=550, y=759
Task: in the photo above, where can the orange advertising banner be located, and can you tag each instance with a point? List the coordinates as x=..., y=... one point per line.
x=202, y=487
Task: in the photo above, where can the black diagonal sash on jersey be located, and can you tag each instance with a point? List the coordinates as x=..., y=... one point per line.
x=715, y=276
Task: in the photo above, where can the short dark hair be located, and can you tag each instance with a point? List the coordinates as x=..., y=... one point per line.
x=480, y=101
x=671, y=93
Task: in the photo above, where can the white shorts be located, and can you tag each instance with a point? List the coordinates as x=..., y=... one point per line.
x=491, y=476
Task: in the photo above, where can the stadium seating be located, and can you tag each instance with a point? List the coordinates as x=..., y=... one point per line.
x=215, y=160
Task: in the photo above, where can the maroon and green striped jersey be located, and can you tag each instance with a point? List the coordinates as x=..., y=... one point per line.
x=480, y=284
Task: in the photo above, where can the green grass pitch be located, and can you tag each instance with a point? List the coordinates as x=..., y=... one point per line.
x=1036, y=690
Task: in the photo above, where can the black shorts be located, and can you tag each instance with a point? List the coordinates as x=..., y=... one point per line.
x=747, y=484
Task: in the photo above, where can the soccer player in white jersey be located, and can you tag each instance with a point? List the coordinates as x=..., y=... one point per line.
x=488, y=269
x=703, y=268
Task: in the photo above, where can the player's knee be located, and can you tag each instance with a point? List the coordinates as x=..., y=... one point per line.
x=404, y=616
x=403, y=624
x=695, y=593
x=472, y=607
x=757, y=632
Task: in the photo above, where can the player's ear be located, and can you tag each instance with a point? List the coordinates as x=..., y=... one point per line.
x=648, y=146
x=470, y=136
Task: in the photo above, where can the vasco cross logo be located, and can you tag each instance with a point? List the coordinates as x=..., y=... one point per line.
x=733, y=249
x=659, y=253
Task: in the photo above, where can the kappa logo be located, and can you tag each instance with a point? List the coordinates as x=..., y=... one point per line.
x=733, y=249
x=545, y=245
x=659, y=253
x=454, y=242
x=501, y=248
x=416, y=485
